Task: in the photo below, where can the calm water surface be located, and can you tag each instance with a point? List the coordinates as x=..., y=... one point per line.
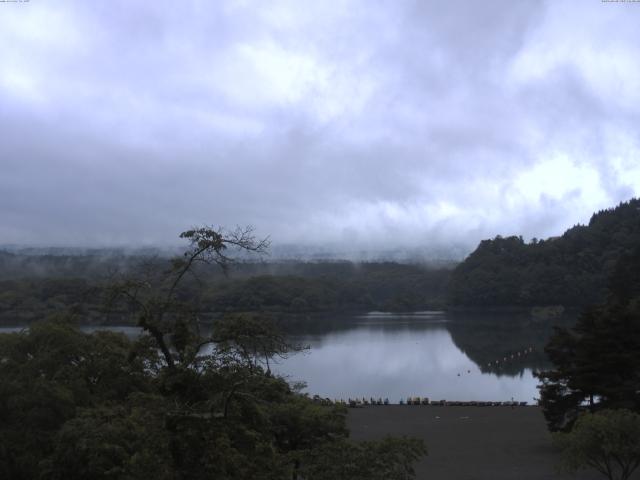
x=421, y=354
x=432, y=354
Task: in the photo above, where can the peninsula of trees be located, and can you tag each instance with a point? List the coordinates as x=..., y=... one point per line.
x=570, y=270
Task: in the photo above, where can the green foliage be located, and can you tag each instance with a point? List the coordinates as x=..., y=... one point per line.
x=608, y=441
x=301, y=425
x=323, y=287
x=597, y=363
x=251, y=339
x=388, y=459
x=75, y=406
x=110, y=442
x=171, y=404
x=297, y=288
x=47, y=376
x=570, y=270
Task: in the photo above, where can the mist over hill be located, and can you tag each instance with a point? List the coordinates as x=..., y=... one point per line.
x=28, y=261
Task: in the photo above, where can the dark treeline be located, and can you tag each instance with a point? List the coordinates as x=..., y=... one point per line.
x=570, y=270
x=176, y=402
x=33, y=287
x=321, y=287
x=596, y=362
x=92, y=264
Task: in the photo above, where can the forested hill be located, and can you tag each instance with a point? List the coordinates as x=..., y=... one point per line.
x=570, y=270
x=34, y=287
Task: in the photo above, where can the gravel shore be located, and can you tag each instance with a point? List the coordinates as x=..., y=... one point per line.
x=470, y=443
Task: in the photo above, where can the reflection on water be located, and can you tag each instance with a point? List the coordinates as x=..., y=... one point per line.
x=423, y=354
x=433, y=354
x=503, y=344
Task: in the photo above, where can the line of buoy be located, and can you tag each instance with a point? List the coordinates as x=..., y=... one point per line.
x=513, y=356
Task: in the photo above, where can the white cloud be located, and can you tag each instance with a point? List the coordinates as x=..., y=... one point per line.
x=399, y=123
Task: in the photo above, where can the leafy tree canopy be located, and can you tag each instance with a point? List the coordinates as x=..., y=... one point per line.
x=570, y=270
x=176, y=402
x=608, y=441
x=597, y=363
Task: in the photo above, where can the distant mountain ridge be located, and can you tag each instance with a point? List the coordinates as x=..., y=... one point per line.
x=569, y=270
x=434, y=255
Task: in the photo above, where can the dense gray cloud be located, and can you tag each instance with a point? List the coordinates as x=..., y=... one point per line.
x=358, y=123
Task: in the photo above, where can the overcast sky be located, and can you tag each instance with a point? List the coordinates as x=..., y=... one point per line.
x=361, y=123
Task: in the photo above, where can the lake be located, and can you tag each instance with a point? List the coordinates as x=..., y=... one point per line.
x=433, y=354
x=463, y=356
